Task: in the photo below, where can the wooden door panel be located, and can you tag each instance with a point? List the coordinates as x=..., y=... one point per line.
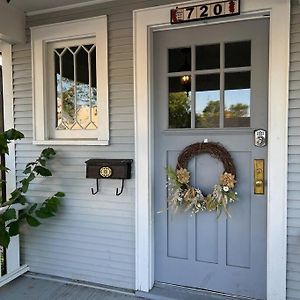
x=208, y=250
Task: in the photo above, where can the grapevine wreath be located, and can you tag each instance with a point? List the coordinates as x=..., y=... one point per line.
x=183, y=194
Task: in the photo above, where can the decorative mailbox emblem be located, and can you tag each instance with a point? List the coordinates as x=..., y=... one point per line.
x=105, y=172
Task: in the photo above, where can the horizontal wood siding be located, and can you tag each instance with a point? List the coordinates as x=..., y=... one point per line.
x=293, y=263
x=93, y=237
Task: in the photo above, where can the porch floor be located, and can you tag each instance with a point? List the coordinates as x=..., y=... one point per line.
x=27, y=288
x=43, y=288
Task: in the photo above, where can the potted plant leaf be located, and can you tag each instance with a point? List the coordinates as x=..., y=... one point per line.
x=17, y=208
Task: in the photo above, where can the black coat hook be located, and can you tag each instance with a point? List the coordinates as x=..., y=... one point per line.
x=97, y=191
x=118, y=193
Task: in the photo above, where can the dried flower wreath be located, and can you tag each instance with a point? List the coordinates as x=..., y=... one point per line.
x=182, y=194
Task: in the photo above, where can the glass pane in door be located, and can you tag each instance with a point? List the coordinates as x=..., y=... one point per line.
x=208, y=57
x=238, y=54
x=180, y=102
x=237, y=97
x=207, y=101
x=179, y=59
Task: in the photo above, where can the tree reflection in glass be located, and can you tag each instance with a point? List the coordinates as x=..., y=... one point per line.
x=208, y=101
x=237, y=97
x=180, y=102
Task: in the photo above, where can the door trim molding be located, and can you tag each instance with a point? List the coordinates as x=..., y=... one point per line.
x=155, y=18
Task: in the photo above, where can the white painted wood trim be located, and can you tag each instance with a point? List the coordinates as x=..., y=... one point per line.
x=157, y=18
x=65, y=7
x=8, y=110
x=12, y=23
x=278, y=150
x=13, y=275
x=40, y=36
x=72, y=142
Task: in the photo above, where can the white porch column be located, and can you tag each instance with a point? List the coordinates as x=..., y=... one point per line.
x=13, y=267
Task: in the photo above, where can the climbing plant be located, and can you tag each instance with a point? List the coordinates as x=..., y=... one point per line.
x=10, y=219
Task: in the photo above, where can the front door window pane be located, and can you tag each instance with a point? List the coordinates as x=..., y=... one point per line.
x=207, y=101
x=238, y=54
x=180, y=102
x=179, y=60
x=208, y=57
x=237, y=97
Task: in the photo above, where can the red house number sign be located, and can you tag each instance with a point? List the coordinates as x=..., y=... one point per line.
x=205, y=11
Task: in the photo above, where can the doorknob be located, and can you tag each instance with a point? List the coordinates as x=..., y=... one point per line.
x=259, y=183
x=259, y=176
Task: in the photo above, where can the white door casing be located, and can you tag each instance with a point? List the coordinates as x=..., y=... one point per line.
x=147, y=20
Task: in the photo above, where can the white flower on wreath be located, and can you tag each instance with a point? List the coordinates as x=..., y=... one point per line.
x=225, y=188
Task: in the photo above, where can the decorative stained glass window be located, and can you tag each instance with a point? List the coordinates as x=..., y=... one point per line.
x=76, y=91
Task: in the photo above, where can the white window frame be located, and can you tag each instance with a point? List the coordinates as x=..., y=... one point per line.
x=41, y=36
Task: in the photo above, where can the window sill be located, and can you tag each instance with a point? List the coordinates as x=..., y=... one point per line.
x=72, y=142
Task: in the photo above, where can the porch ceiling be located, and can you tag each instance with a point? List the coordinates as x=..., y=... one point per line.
x=35, y=5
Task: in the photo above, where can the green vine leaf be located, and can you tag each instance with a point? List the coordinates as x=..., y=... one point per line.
x=32, y=221
x=9, y=214
x=59, y=194
x=9, y=220
x=15, y=194
x=13, y=134
x=4, y=237
x=25, y=185
x=14, y=228
x=32, y=208
x=42, y=162
x=48, y=153
x=3, y=168
x=42, y=171
x=21, y=199
x=44, y=212
x=30, y=164
x=27, y=170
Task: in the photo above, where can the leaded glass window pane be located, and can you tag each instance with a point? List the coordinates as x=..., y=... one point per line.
x=76, y=91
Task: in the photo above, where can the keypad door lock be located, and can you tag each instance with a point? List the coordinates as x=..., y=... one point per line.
x=260, y=138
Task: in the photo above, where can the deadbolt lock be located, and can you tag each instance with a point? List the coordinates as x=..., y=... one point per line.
x=259, y=176
x=260, y=138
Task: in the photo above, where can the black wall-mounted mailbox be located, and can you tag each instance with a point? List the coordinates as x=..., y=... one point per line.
x=108, y=169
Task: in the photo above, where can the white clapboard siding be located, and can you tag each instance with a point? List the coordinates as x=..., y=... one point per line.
x=93, y=237
x=293, y=263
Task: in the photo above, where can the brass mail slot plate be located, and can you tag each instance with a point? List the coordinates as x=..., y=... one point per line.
x=259, y=176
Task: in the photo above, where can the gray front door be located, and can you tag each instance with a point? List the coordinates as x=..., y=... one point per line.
x=211, y=82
